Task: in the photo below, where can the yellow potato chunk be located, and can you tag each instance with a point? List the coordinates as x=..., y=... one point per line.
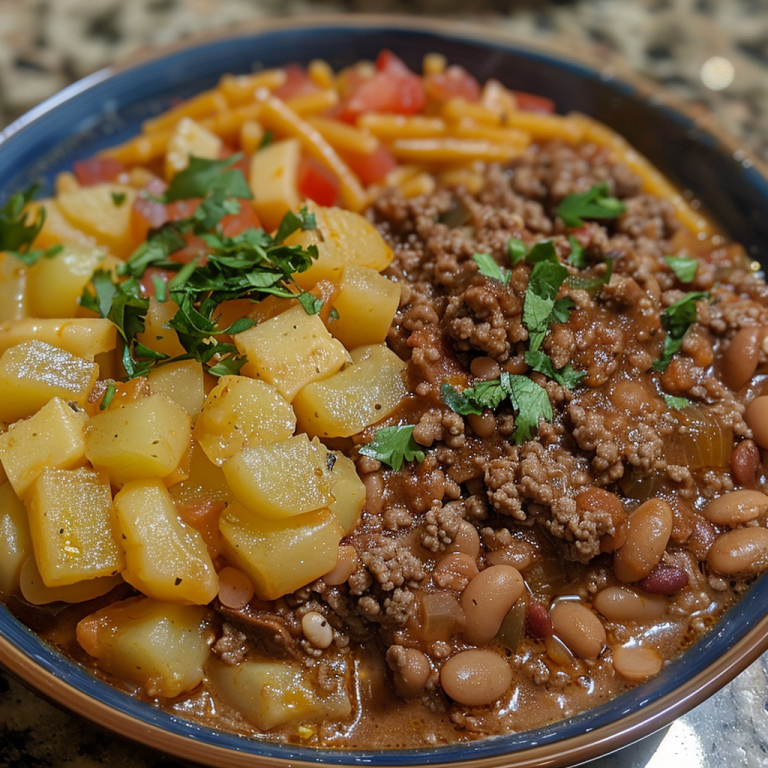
x=269, y=694
x=366, y=305
x=13, y=288
x=34, y=591
x=33, y=372
x=348, y=492
x=291, y=350
x=56, y=228
x=355, y=398
x=157, y=334
x=183, y=382
x=53, y=437
x=239, y=412
x=15, y=540
x=84, y=338
x=272, y=179
x=205, y=480
x=342, y=237
x=164, y=558
x=189, y=139
x=280, y=480
x=102, y=211
x=159, y=646
x=280, y=556
x=73, y=527
x=145, y=438
x=54, y=285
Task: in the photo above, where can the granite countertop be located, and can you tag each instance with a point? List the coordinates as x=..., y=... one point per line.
x=710, y=52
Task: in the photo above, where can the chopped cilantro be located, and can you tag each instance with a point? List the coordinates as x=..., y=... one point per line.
x=312, y=305
x=203, y=178
x=577, y=256
x=684, y=267
x=16, y=235
x=516, y=250
x=266, y=139
x=595, y=203
x=541, y=305
x=109, y=395
x=676, y=320
x=486, y=265
x=118, y=198
x=566, y=376
x=676, y=403
x=333, y=315
x=590, y=284
x=544, y=250
x=394, y=445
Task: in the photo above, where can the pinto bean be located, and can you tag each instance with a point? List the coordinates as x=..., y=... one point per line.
x=475, y=677
x=519, y=554
x=626, y=604
x=578, y=627
x=736, y=508
x=742, y=551
x=410, y=668
x=483, y=425
x=487, y=600
x=485, y=368
x=741, y=358
x=345, y=566
x=664, y=580
x=756, y=416
x=454, y=571
x=745, y=459
x=635, y=663
x=648, y=530
x=467, y=540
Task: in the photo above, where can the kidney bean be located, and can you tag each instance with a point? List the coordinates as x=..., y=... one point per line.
x=742, y=551
x=592, y=500
x=475, y=677
x=736, y=508
x=454, y=571
x=624, y=604
x=664, y=580
x=636, y=663
x=741, y=358
x=578, y=627
x=648, y=530
x=487, y=600
x=756, y=416
x=537, y=620
x=745, y=459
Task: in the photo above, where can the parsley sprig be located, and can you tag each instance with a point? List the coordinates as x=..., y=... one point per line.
x=595, y=203
x=684, y=267
x=393, y=446
x=676, y=320
x=18, y=229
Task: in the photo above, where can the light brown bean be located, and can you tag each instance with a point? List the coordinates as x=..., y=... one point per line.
x=483, y=425
x=625, y=604
x=578, y=627
x=648, y=530
x=741, y=358
x=756, y=416
x=635, y=663
x=475, y=677
x=345, y=566
x=467, y=540
x=485, y=368
x=742, y=551
x=317, y=629
x=410, y=671
x=736, y=508
x=593, y=501
x=487, y=600
x=454, y=571
x=519, y=554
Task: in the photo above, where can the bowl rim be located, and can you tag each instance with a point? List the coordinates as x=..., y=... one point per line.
x=574, y=750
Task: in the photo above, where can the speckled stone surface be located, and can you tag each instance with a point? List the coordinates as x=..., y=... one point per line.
x=709, y=52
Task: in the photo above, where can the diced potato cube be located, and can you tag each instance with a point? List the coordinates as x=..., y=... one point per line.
x=279, y=480
x=342, y=237
x=183, y=382
x=164, y=558
x=33, y=372
x=348, y=492
x=272, y=178
x=54, y=285
x=160, y=646
x=290, y=351
x=205, y=480
x=13, y=288
x=240, y=411
x=53, y=437
x=102, y=211
x=15, y=540
x=189, y=139
x=34, y=591
x=56, y=228
x=269, y=694
x=366, y=306
x=355, y=398
x=280, y=556
x=157, y=334
x=84, y=338
x=145, y=438
x=73, y=527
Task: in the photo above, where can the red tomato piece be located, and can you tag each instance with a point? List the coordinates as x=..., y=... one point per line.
x=297, y=83
x=195, y=248
x=454, y=82
x=372, y=168
x=246, y=218
x=316, y=182
x=532, y=102
x=182, y=209
x=97, y=170
x=147, y=281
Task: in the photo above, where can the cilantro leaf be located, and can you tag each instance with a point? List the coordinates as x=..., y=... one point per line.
x=394, y=445
x=676, y=403
x=577, y=256
x=595, y=203
x=540, y=300
x=544, y=250
x=684, y=267
x=109, y=395
x=516, y=250
x=292, y=222
x=118, y=198
x=312, y=304
x=474, y=400
x=676, y=320
x=566, y=376
x=591, y=284
x=202, y=178
x=486, y=265
x=16, y=234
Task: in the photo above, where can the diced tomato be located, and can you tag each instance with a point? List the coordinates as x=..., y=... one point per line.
x=147, y=281
x=532, y=102
x=371, y=168
x=297, y=83
x=182, y=209
x=146, y=214
x=454, y=82
x=393, y=88
x=316, y=182
x=97, y=170
x=195, y=248
x=246, y=218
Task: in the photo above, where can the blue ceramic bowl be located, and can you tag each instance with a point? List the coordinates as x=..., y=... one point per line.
x=108, y=107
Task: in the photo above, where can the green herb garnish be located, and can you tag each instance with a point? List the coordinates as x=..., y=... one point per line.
x=541, y=305
x=684, y=267
x=394, y=445
x=676, y=320
x=109, y=395
x=577, y=256
x=595, y=203
x=676, y=403
x=118, y=198
x=566, y=376
x=486, y=265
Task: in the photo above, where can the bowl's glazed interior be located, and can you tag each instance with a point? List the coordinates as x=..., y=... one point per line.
x=108, y=108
